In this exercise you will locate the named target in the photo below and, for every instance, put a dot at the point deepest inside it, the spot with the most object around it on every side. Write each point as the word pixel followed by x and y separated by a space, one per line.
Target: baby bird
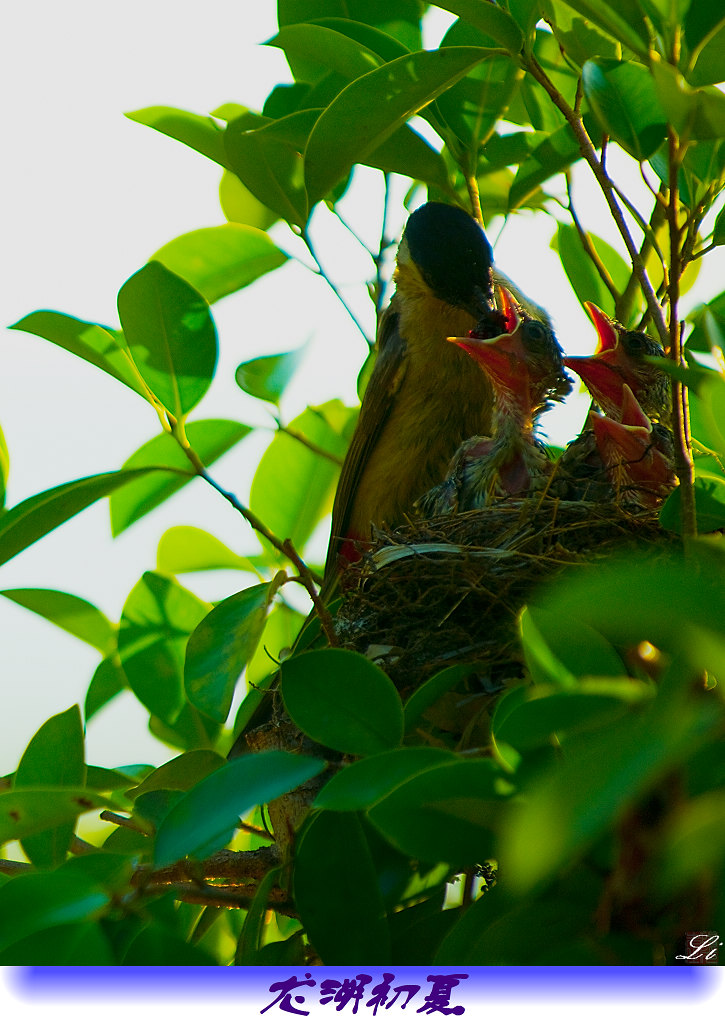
pixel 524 365
pixel 637 455
pixel 619 360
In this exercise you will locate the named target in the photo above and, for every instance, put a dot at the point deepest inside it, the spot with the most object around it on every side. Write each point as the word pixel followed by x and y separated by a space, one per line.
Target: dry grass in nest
pixel 445 591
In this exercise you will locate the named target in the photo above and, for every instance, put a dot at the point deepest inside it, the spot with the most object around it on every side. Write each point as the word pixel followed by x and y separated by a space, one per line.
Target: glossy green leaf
pixel 107 780
pixel 583 277
pixel 169 328
pixel 267 376
pixel 427 694
pixel 101 346
pixel 239 205
pixel 220 647
pixel 157 619
pixel 384 44
pixel 318 860
pixel 281 629
pixel 54 757
pixel 323 49
pixel 443 814
pixel 712 395
pixel 709 325
pixel 580 38
pixel 576 646
pixel 158 946
pixel 596 704
pixel 4 467
pixel 474 104
pixel 699 113
pixel 580 797
pixel 206 817
pixel 79 943
pixel 371 108
pixel 190 549
pixel 250 937
pixel 33 518
pixel 221 260
pixel 29 903
pixel 108 681
pixel 363 783
pixel 210 439
pixel 24 812
pixel 493 21
pixel 625 100
pixel 194 130
pixel 293 486
pixel 709 66
pixel 621 19
pixel 268 161
pixel 709 505
pixel 180 772
pixel 343 701
pixel 73 614
pixel 399 18
pixel 558 152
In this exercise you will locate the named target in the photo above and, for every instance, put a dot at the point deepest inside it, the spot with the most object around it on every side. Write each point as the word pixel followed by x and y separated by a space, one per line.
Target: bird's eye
pixel 535 332
pixel 636 342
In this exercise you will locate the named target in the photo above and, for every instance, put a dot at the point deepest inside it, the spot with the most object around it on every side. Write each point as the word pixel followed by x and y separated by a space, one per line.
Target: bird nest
pixel 447 591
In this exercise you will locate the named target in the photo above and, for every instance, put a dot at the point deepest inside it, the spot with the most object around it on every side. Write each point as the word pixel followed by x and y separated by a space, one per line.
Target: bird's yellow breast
pixel 443 399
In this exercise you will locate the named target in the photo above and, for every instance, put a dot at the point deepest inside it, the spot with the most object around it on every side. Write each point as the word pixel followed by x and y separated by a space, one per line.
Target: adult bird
pixel 424 396
pixel 619 359
pixel 638 456
pixel 524 364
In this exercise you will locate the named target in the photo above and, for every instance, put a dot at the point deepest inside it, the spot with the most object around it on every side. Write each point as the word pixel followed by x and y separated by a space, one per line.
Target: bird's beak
pixel 503 358
pixel 632 436
pixel 607 337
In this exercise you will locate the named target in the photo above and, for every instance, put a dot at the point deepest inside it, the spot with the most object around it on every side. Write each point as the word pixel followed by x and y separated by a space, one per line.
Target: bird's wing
pixel 385 381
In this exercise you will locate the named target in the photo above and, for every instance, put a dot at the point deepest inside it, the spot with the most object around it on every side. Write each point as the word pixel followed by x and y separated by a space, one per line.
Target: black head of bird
pixel 524 365
pixel 638 455
pixel 619 359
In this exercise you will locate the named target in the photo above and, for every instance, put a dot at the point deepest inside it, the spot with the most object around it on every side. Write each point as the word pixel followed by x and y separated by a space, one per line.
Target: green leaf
pixel 205 819
pixel 371 108
pixel 100 346
pixel 363 783
pixel 581 650
pixel 399 18
pixel 578 267
pixel 30 903
pixel 250 937
pixel 55 757
pixel 79 943
pixel 624 98
pixel 579 38
pixel 208 438
pixel 267 376
pixel 621 19
pixel 33 518
pixel 699 113
pixel 431 690
pixel 709 67
pixel 220 647
pixel 322 49
pixel 108 681
pixel 159 946
pixel 579 798
pixel 443 814
pixel 107 780
pixel 239 205
pixel 181 772
pixel 318 859
pixel 4 467
pixel 169 328
pixel 709 505
pixel 343 701
pixel 73 614
pixel 268 161
pixel 474 104
pixel 157 619
pixel 194 130
pixel 281 630
pixel 221 260
pixel 558 152
pixel 293 486
pixel 493 21
pixel 24 812
pixel 190 549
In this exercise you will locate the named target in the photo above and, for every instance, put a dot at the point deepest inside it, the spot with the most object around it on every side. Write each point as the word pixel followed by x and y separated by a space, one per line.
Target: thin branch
pixel 474 198
pixel 338 294
pixel 308 444
pixel 588 246
pixel 15 867
pixel 308 578
pixel 118 819
pixel 657 218
pixel 683 450
pixel 587 150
